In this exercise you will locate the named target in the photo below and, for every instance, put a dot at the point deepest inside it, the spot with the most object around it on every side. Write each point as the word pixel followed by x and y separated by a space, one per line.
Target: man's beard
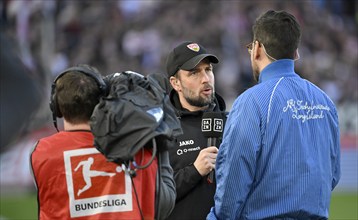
pixel 197 101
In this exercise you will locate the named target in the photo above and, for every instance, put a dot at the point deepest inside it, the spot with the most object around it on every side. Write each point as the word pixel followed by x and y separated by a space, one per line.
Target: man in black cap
pixel 191 76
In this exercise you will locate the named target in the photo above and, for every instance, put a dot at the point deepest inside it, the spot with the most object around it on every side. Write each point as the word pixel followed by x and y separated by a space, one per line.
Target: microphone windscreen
pixel 212 124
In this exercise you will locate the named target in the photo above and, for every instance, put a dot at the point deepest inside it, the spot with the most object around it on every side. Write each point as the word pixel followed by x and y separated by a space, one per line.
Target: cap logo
pixel 194 47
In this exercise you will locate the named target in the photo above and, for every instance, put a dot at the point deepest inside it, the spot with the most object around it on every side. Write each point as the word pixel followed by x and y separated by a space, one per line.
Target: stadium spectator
pixel 137 34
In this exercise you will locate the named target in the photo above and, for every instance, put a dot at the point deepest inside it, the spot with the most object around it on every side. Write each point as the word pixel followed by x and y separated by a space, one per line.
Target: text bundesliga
pixel 99 204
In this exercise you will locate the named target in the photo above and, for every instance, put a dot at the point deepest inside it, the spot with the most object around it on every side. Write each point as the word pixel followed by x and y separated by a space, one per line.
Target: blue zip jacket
pixel 280 155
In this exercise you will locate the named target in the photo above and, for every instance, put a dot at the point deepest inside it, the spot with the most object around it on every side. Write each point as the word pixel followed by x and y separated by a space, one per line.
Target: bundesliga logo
pixel 87 175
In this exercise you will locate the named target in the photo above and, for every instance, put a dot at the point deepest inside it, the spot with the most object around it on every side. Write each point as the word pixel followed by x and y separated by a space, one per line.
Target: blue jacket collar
pixel 278 69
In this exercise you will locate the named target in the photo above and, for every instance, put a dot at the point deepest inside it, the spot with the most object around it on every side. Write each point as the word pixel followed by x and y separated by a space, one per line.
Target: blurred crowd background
pixel 118 35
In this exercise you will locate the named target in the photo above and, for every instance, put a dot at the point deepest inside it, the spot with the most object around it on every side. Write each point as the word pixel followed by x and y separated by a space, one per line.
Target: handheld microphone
pixel 212 125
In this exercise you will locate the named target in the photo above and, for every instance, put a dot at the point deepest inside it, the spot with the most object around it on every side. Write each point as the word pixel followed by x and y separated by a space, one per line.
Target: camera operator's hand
pixel 205 162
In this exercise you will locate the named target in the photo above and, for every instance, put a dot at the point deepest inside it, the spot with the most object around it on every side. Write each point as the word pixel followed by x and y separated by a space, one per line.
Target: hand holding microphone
pixel 205 162
pixel 212 125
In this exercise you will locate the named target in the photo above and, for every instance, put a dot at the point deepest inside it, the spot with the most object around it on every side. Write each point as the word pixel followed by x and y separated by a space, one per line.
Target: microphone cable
pixel 136 196
pixel 151 159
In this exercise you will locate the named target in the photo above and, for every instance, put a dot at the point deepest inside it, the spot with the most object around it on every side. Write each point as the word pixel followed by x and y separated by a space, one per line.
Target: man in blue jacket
pixel 280 155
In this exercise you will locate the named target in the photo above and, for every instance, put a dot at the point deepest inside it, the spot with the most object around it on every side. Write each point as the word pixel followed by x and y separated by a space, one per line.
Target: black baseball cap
pixel 186 56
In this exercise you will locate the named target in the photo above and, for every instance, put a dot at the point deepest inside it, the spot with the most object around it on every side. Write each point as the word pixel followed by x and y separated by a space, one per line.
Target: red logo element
pixel 93 176
pixel 194 47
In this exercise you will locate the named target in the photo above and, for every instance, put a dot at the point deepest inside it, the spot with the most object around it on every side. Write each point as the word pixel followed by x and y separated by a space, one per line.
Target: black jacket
pixel 195 196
